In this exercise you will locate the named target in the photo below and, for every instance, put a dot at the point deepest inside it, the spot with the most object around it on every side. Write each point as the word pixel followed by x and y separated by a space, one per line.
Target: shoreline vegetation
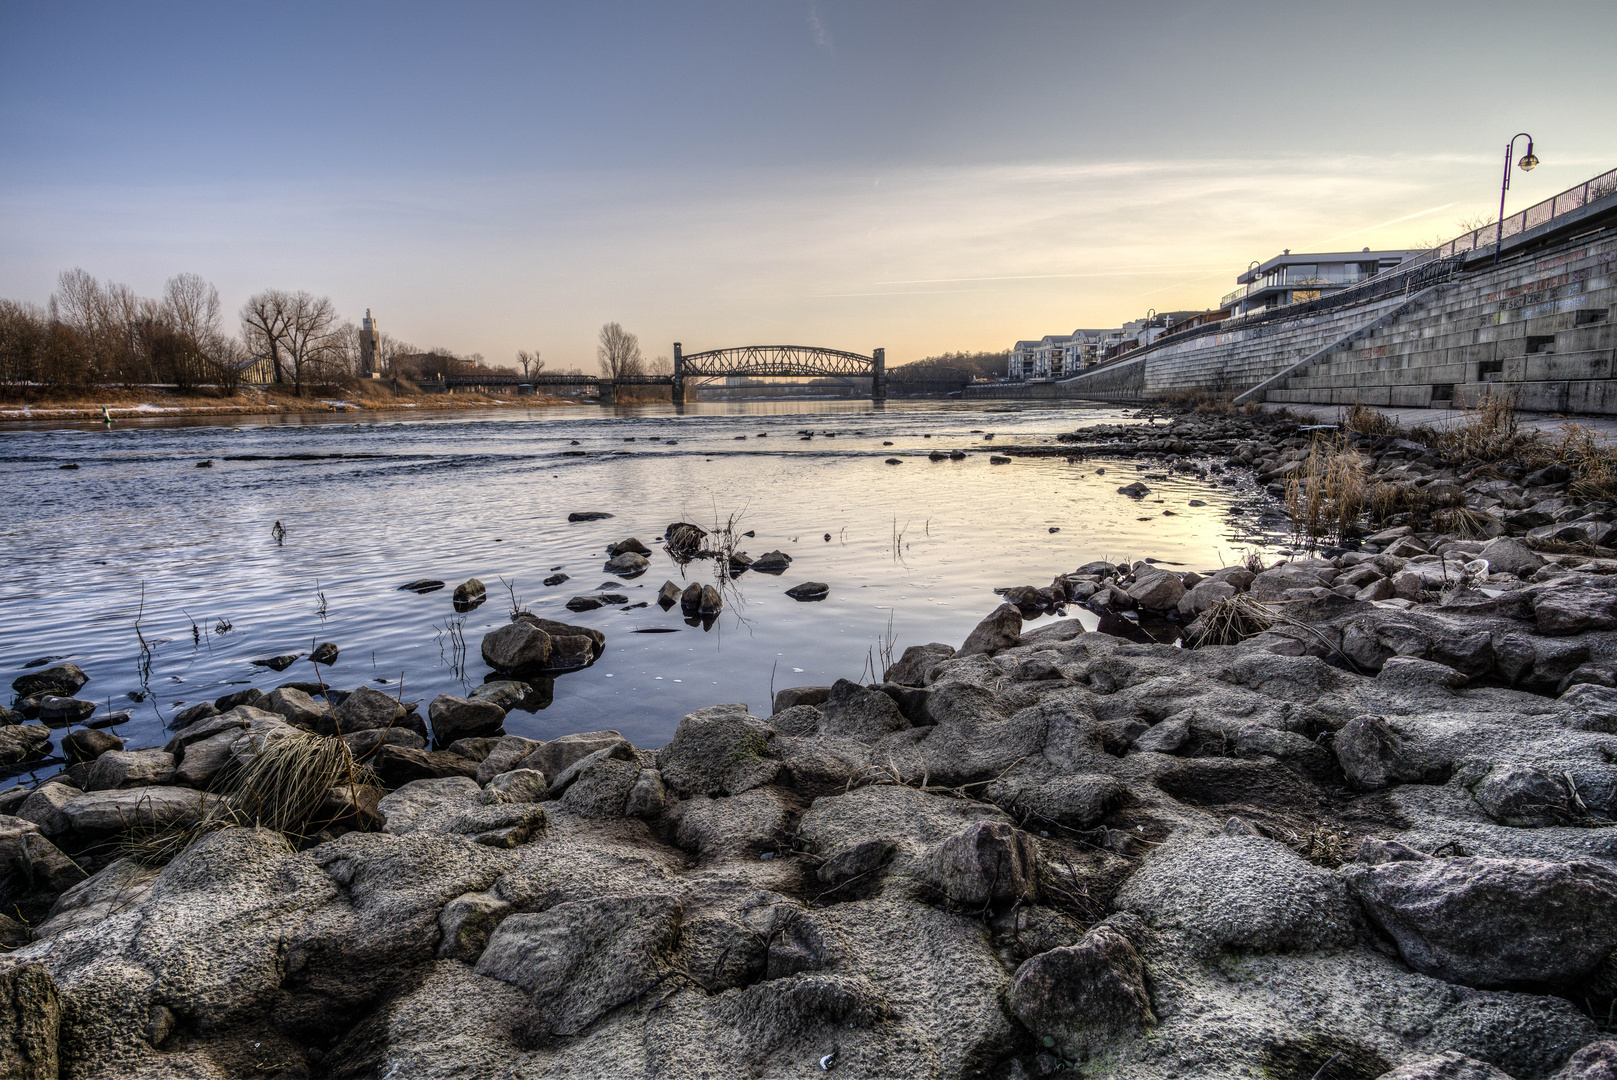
pixel 1348 813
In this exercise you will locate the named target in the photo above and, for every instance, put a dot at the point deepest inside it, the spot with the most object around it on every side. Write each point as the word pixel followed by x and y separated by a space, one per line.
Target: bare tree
pixel 264 327
pixel 660 366
pixel 308 344
pixel 619 353
pixel 107 321
pixel 525 358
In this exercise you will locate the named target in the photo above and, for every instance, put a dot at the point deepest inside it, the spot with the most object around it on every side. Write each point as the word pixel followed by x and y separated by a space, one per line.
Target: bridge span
pixel 756 361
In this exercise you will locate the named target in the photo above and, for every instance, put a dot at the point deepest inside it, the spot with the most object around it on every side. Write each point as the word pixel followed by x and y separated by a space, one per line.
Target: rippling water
pixel 139 531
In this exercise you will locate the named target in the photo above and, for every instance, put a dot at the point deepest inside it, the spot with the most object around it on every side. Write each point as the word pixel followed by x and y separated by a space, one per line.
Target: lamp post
pixel 1528 163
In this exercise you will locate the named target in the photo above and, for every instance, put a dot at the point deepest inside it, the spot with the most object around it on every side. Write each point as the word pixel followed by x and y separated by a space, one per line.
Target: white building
pixel 1057 356
pixel 1296 279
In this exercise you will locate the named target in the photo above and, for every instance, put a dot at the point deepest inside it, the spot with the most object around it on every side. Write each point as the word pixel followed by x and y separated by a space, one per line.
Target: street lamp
pixel 1528 163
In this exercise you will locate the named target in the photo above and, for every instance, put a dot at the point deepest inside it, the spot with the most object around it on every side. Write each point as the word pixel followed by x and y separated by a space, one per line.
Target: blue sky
pixel 919 176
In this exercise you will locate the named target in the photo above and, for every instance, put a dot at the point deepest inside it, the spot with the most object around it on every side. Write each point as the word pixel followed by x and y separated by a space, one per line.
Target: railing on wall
pixel 1573 198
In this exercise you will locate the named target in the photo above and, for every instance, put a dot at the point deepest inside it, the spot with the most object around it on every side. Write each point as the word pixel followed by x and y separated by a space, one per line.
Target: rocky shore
pixel 1353 817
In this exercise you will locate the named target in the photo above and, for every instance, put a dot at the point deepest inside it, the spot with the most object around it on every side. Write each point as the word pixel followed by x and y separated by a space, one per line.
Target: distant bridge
pixel 757 361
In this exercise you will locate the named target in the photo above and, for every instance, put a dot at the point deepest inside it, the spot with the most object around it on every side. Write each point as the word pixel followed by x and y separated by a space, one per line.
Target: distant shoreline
pixel 145 404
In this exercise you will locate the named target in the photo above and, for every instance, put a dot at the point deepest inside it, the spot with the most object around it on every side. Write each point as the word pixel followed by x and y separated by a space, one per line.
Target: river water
pixel 138 533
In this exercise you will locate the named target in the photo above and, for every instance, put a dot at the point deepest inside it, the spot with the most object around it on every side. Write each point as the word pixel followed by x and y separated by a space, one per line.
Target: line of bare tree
pixel 619 355
pixel 99 333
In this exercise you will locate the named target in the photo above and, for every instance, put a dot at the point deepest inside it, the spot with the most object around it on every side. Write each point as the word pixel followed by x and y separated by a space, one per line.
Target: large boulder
pixel 1507 555
pixel 458 718
pixel 87 744
pixel 298 707
pixel 1524 796
pixel 19 742
pixel 517 646
pixel 63 680
pixel 1574 609
pixel 558 755
pixel 1240 892
pixel 1001 630
pixel 130 768
pixel 720 750
pixel 1078 995
pixel 583 958
pixel 627 564
pixel 1493 922
pixel 505 755
pixel 367 708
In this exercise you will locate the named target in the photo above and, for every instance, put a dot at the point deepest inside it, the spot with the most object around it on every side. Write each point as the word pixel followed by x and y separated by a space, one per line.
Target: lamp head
pixel 1529 161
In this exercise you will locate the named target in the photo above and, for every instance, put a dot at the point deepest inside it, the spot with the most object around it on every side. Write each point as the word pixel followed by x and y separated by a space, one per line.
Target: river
pixel 138 536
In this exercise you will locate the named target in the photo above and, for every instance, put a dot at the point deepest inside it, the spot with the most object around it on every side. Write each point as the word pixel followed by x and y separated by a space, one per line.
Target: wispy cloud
pixel 822 36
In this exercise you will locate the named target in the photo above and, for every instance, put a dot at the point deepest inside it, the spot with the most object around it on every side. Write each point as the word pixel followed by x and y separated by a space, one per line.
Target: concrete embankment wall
pixel 1541 329
pixel 1540 326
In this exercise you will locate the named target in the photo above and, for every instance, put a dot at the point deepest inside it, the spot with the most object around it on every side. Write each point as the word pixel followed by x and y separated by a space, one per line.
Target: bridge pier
pixel 878 377
pixel 676 391
pixel 607 396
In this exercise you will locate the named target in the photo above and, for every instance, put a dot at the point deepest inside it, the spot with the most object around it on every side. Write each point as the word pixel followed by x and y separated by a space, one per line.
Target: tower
pixel 369 342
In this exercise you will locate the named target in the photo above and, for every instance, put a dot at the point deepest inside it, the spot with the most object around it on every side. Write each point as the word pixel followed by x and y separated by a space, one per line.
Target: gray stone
pixel 130 768
pixel 467 922
pixel 89 744
pixel 518 785
pixel 648 798
pixel 1597 1061
pixel 709 602
pixel 1524 796
pixel 987 863
pixel 506 693
pixel 1493 922
pixel 1080 996
pixel 60 712
pixel 794 696
pixel 1001 630
pixel 44 804
pixel 630 544
pixel 30 1022
pixel 63 680
pixel 1507 555
pixel 772 562
pixel 326 653
pixel 558 755
pixel 19 742
pixel 1075 800
pixel 1205 595
pixel 458 718
pixel 191 714
pixel 362 744
pixel 297 707
pixel 627 564
pixel 1372 754
pixel 1413 671
pixel 469 594
pixel 506 755
pixel 852 711
pixel 516 646
pixel 102 813
pixel 367 708
pixel 1448 1065
pixel 599 786
pixel 718 750
pixel 668 595
pixel 914 668
pixel 1156 589
pixel 581 958
pixel 1574 609
pixel 1243 892
pixel 809 590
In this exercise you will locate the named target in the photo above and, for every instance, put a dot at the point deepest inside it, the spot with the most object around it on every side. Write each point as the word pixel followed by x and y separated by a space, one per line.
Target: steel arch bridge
pixel 758 361
pixel 780 361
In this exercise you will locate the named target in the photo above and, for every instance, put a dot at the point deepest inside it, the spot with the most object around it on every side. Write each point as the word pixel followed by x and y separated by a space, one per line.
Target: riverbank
pixel 1365 826
pixel 149 402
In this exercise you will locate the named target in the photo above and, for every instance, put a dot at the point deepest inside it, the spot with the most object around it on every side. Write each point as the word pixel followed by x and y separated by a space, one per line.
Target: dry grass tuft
pixel 1327 496
pixel 1361 419
pixel 283 787
pixel 1232 620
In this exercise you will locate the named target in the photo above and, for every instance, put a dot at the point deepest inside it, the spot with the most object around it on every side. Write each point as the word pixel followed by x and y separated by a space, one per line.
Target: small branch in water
pixel 278 533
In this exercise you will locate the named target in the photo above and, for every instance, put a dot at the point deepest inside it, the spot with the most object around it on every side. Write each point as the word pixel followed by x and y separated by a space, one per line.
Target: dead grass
pixel 1232 620
pixel 282 787
pixel 1361 419
pixel 1327 496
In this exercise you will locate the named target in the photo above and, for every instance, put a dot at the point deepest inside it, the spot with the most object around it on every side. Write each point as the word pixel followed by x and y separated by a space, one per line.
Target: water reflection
pixel 137 532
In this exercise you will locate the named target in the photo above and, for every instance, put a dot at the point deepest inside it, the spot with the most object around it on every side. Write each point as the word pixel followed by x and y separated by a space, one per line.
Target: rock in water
pixel 627 564
pixel 469 594
pixel 515 647
pixel 89 744
pixel 1135 490
pixel 588 515
pixel 422 586
pixel 278 663
pixel 914 667
pixel 325 654
pixel 1083 994
pixel 809 590
pixel 772 562
pixel 710 602
pixel 1494 922
pixel 1155 589
pixel 630 545
pixel 1001 630
pixel 668 595
pixel 63 680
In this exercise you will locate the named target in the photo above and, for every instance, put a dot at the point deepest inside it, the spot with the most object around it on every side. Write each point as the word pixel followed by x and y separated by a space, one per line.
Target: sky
pixel 918 176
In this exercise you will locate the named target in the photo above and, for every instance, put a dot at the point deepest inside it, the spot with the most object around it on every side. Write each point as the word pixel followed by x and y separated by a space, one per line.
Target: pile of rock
pixel 1044 851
